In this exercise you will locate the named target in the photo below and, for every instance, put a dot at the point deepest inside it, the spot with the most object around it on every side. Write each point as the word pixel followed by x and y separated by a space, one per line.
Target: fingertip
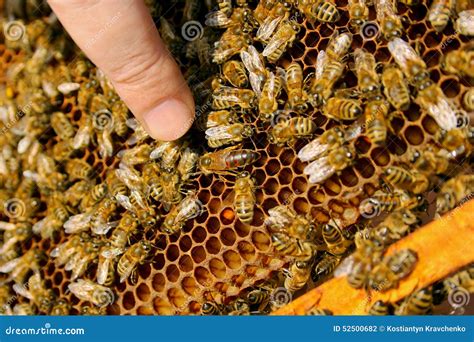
pixel 169 120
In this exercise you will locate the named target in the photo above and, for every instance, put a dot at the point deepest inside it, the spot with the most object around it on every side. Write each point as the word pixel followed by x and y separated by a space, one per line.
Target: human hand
pixel 120 37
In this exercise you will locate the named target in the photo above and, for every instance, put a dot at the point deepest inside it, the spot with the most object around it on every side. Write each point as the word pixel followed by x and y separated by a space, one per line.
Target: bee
pixel 211 309
pixel 227 159
pixel 418 303
pixel 260 297
pixel 89 291
pixel 238 307
pixel 127 227
pixel 140 207
pixel 93 311
pixel 115 185
pixel 322 10
pixel 36 292
pixel 106 270
pixel 468 100
pixel 464 24
pixel 367 77
pixel 255 66
pixel 281 40
pixel 428 160
pixel 234 73
pixel 390 23
pixel 294 83
pixel 440 13
pixel 343 109
pixel 119 112
pixel 168 152
pixel 376 121
pixel 244 200
pixel 395 226
pixel 334 238
pixel 136 254
pixel 134 156
pixel 454 142
pixel 171 189
pixel 151 178
pixel 96 194
pixel 24 309
pixel 57 214
pixel 328 72
pixel 289 130
pixel 187 209
pixel 62 126
pixel 20 267
pixel 226 97
pixel 319 312
pixel 392 269
pixel 14 234
pixel 139 133
pixel 379 308
pixel 229 45
pixel 339 45
pixel 395 88
pixel 221 117
pixel 334 161
pixel 101 215
pixel 62 150
pixel 325 266
pixel 399 176
pixel 227 134
pixel 388 202
pixel 297 275
pixel 464 279
pixel 66 250
pixel 358 12
pixel 60 308
pixel 78 169
pixel 453 192
pixel 87 253
pixel 459 62
pixel 268 103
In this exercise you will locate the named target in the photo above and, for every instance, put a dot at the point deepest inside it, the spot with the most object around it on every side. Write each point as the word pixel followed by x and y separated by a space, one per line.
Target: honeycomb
pixel 216 256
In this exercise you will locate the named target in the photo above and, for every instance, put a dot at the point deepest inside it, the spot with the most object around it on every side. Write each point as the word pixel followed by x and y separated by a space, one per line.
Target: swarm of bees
pixel 105 224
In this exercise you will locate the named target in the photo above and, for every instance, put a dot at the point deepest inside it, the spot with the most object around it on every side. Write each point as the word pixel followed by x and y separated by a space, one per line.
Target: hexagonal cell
pixel 203 276
pixel 128 300
pixel 143 292
pixel 380 156
pixel 213 225
pixel 185 263
pixel 199 234
pixel 185 243
pixel 217 268
pixel 232 259
pixel 189 286
pixel 261 241
pixel 176 297
pixel 414 135
pixel 172 273
pixel 163 307
pixel 227 215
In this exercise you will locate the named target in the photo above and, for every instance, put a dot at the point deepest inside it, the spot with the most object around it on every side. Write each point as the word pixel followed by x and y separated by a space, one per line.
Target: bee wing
pixel 402 52
pixel 278 218
pixel 219 132
pixel 465 22
pixel 341 43
pixel 77 223
pixel 226 94
pixel 124 201
pixel 103 229
pixel 312 150
pixel 321 61
pixel 22 291
pixel 269 26
pixel 319 170
pixel 10 265
pixel 444 113
pixel 24 143
pixel 384 8
pixel 38 226
pixel 103 269
pixel 274 43
pixel 217 19
pixel 353 131
pixel 106 146
pixel 111 252
pixel 128 176
pixel 7 225
pixel 127 271
pixel 82 137
pixel 68 87
pixel 271 84
pixel 159 150
pixel 344 267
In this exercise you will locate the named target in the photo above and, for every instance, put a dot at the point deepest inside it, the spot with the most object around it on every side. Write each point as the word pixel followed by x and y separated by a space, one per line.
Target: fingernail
pixel 170 120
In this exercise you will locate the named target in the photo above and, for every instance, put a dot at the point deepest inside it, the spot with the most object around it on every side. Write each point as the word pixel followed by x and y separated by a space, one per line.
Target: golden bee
pixel 468 100
pixel 336 243
pixel 392 269
pixel 221 117
pixel 170 189
pixel 291 129
pixel 319 312
pixel 465 22
pixel 395 226
pixel 86 290
pixel 78 169
pixel 227 97
pixel 388 202
pixel 440 13
pixel 227 134
pixel 268 104
pixel 453 192
pixel 126 228
pixel 62 126
pixel 20 267
pixel 379 308
pixel 367 77
pixel 212 309
pixel 395 88
pixel 223 161
pixel 376 121
pixel 37 292
pixel 405 179
pixel 282 39
pixel 320 10
pixel 390 23
pixel 244 200
pixel 255 65
pixel 418 303
pixel 229 45
pixel 96 194
pixel 234 72
pixel 358 12
pixel 343 109
pixel 325 267
pixel 188 208
pixel 297 275
pixel 238 307
pixel 428 160
pixel 135 254
pixel 297 97
pixel 459 62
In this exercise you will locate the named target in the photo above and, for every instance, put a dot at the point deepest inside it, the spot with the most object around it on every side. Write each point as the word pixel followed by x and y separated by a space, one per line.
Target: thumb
pixel 120 37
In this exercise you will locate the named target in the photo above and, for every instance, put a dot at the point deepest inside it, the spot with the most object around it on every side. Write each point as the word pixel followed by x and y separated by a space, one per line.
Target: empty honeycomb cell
pixel 396 145
pixel 162 307
pixel 228 237
pixel 301 205
pixel 214 205
pixel 143 292
pixel 217 268
pixel 269 203
pixel 159 261
pixel 298 50
pixel 414 135
pixel 202 217
pixel 431 39
pixel 232 259
pixel 260 176
pixel 217 188
pixel 186 263
pixel 450 43
pixel 311 39
pixel 362 144
pixel 227 216
pixel 299 185
pixel 285 196
pixel 213 226
pixel 298 166
pixel 413 113
pixel 382 54
pixel 185 243
pixel 429 125
pixel 380 156
pixel 316 195
pixel 76 116
pixel 189 285
pixel 172 252
pixel 177 297
pixel 273 167
pixel 271 186
pixel 246 251
pixel 144 271
pixel 213 245
pixel 199 234
pixel 364 167
pixel 261 241
pixel 348 177
pixel 172 273
pixel 128 300
pixel 285 176
pixel 332 186
pixel 451 87
pixel 205 181
pixel 370 46
pixel 58 278
pixel 203 276
pixel 145 310
pixel 243 229
pixel 198 254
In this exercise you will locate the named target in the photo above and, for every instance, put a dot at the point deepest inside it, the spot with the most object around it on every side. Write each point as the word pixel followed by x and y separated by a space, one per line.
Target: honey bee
pixel 379 308
pixel 139 133
pixel 335 241
pixel 428 160
pixel 453 192
pixel 171 189
pixel 89 291
pixel 390 23
pixel 115 185
pixel 399 176
pixel 136 254
pixel 376 121
pixel 238 307
pixel 244 200
pixel 459 62
pixel 468 100
pixel 464 24
pixel 234 73
pixel 395 88
pixel 57 214
pixel 229 45
pixel 395 226
pixel 281 40
pixel 66 250
pixel 144 212
pixel 93 311
pixel 440 13
pixel 358 12
pixel 392 269
pixel 388 202
pixel 319 312
pixel 227 134
pixel 223 161
pixel 255 66
pixel 343 109
pixel 297 275
pixel 325 266
pixel 226 97
pixel 127 227
pixel 106 270
pixel 134 156
pixel 36 292
pixel 169 153
pixel 62 150
pixel 119 111
pixel 212 309
pixel 78 169
pixel 14 233
pixel 321 10
pixel 368 79
pixel 24 309
pixel 96 194
pixel 62 126
pixel 101 215
pixel 339 45
pixel 294 83
pixel 221 117
pixel 260 297
pixel 328 72
pixel 268 103
pixel 60 308
pixel 20 267
pixel 418 303
pixel 85 255
pixel 187 209
pixel 288 131
pixel 464 279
